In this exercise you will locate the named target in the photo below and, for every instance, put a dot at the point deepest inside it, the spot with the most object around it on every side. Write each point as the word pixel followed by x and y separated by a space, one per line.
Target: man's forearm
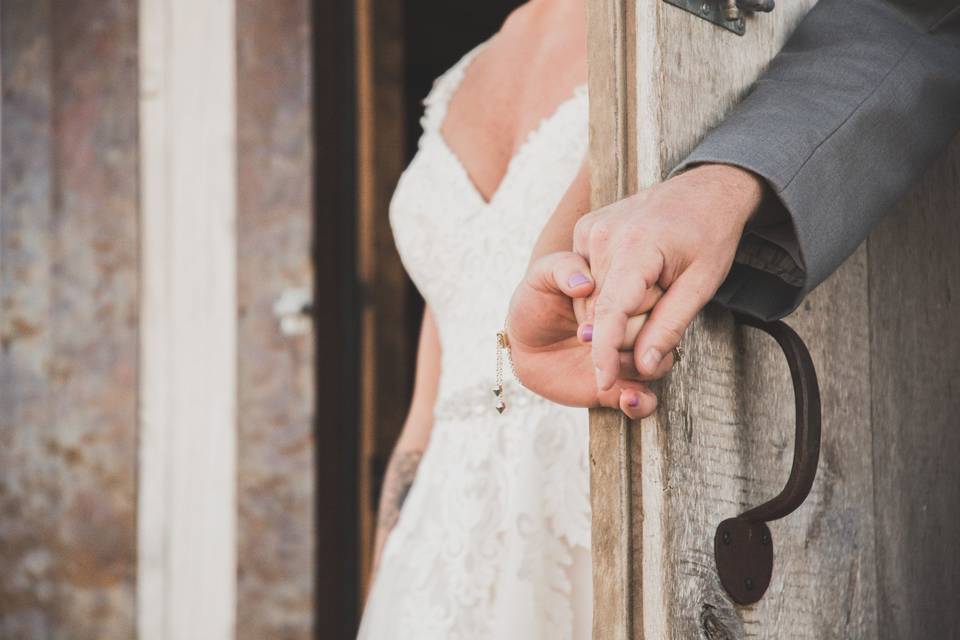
pixel 864 96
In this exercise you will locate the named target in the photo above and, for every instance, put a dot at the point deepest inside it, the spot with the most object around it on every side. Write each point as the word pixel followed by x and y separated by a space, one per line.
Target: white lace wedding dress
pixel 494 538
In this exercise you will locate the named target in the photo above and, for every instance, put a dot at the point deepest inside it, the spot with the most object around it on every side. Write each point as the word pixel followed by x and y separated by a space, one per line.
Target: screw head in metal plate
pixel 744 560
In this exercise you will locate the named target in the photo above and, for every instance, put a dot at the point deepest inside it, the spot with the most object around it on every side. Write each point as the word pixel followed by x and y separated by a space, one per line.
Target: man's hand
pixel 680 237
pixel 551 357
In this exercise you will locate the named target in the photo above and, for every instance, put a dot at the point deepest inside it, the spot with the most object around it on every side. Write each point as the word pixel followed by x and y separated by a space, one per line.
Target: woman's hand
pixel 552 358
pixel 678 237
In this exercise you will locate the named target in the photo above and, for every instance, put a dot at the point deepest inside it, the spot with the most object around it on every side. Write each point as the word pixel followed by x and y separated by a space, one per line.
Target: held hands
pixel 641 269
pixel 551 356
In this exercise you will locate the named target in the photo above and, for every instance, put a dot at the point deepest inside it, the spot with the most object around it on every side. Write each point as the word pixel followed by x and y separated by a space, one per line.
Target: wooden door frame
pixel 611 71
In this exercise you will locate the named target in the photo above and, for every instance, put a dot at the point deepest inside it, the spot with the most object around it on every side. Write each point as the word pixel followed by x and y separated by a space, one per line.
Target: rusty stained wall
pixel 68 319
pixel 276 383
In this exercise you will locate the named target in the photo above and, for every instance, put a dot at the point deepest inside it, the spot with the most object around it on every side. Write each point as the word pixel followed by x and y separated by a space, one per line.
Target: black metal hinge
pixel 729 14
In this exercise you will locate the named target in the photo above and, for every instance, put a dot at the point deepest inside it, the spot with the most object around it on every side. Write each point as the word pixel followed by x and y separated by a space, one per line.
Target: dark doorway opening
pixel 436 34
pixel 335 318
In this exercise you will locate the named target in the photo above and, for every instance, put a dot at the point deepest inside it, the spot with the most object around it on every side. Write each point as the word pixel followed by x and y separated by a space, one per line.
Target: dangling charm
pixel 498 390
pixel 503 344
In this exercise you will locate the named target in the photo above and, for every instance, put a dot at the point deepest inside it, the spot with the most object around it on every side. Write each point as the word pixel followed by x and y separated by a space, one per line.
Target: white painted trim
pixel 186 578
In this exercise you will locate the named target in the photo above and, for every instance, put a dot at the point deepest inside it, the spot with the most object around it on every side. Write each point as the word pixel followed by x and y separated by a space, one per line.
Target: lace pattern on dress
pixel 494 537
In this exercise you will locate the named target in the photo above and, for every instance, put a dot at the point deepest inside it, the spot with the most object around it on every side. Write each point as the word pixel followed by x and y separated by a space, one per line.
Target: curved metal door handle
pixel 743 547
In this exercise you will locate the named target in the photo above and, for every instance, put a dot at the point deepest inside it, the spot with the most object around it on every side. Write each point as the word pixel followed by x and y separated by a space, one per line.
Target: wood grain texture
pixel 611 72
pixel 68 319
pixel 727 445
pixel 725 425
pixel 915 378
pixel 275 359
pixel 721 441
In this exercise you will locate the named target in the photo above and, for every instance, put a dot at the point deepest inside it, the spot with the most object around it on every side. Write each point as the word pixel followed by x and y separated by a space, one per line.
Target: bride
pixel 484 525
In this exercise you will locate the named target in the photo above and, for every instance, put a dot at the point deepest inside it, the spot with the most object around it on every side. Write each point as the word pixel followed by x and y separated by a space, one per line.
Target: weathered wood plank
pixel 275 474
pixel 611 72
pixel 728 446
pixel 721 441
pixel 68 309
pixel 915 347
pixel 725 426
pixel 187 562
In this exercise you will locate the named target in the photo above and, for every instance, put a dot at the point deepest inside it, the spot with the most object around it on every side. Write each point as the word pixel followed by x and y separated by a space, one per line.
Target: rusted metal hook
pixel 743 546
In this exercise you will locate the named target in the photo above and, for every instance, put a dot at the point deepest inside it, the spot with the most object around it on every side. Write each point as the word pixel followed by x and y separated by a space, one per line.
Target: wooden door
pixel 722 439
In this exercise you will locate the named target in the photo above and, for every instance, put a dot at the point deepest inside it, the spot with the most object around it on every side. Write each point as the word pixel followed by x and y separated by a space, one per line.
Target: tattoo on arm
pixel 396 485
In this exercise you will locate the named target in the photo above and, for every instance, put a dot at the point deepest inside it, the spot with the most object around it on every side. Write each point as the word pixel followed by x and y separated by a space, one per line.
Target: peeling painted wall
pixel 68 320
pixel 276 383
pixel 68 323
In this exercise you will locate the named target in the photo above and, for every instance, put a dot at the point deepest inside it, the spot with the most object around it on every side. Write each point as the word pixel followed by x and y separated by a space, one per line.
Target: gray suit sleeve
pixel 863 97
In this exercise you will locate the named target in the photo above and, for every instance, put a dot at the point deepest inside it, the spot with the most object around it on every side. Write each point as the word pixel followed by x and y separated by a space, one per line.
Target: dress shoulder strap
pixel 435 104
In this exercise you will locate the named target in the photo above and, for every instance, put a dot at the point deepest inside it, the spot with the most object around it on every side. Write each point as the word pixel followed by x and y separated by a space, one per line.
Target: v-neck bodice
pixel 494 537
pixel 467 254
pixel 439 106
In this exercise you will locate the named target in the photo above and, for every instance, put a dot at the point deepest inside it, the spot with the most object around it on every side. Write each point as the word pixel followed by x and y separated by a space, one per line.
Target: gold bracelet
pixel 503 344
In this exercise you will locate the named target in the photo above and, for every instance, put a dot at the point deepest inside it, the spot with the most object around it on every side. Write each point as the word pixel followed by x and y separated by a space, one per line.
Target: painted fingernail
pixel 578 279
pixel 651 359
pixel 634 401
pixel 586 332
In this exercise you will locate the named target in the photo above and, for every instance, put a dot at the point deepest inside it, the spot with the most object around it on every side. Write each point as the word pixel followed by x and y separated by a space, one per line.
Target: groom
pixel 864 96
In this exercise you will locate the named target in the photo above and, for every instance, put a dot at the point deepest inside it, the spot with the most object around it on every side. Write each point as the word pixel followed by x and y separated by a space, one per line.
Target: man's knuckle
pixel 600 233
pixel 607 304
pixel 603 306
pixel 673 334
pixel 581 231
pixel 636 234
